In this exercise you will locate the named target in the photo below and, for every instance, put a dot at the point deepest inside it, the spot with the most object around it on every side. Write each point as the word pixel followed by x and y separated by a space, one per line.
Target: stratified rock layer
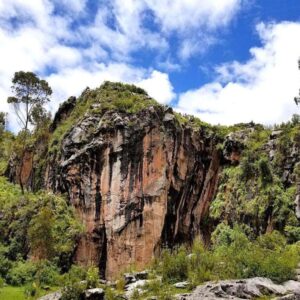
pixel 137 181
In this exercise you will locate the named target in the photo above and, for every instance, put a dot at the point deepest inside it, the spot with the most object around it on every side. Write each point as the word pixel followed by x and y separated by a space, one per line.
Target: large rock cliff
pixel 139 181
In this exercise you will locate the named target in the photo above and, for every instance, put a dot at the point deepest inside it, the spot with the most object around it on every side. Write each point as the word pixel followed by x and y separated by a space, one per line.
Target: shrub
pixel 174 266
pixel 265 171
pixel 92 277
pixel 5 263
pixel 31 290
pixel 40 234
pixel 47 274
pixel 21 273
pixel 75 274
pixel 73 291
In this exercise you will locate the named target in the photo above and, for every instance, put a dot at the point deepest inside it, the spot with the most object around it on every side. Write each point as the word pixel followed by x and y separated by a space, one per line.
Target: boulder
pixel 137 285
pixel 94 294
pixel 52 296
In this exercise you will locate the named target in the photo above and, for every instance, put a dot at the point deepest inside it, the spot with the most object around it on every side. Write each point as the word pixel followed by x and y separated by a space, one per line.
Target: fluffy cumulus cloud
pixel 261 89
pixel 74 46
pixel 159 87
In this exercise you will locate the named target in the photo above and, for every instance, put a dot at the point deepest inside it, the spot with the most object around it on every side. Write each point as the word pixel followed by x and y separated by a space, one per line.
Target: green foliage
pixel 201 264
pixel 292 233
pixel 30 94
pixel 76 273
pixel 156 288
pixel 73 291
pixel 174 265
pixel 5 263
pixel 21 273
pixel 2 121
pixel 31 290
pixel 265 171
pixel 253 193
pixel 41 225
pixel 40 234
pixel 47 274
pixel 92 277
pixel 77 280
pixel 234 254
pixel 6 146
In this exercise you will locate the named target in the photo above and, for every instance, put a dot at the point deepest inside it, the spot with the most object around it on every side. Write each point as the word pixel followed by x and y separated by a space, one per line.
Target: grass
pixel 18 293
pixel 12 293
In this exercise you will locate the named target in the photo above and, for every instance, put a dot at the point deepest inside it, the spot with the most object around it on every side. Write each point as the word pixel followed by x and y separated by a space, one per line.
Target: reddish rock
pixel 137 182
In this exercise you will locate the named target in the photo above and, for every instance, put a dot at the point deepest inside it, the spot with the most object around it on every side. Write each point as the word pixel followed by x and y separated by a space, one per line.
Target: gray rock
pixel 244 289
pixel 181 285
pixel 141 275
pixel 129 278
pixel 275 134
pixel 52 296
pixel 168 117
pixel 137 285
pixel 289 297
pixel 94 294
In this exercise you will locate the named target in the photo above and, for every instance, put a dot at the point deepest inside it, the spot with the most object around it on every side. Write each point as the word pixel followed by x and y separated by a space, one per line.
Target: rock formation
pixel 252 288
pixel 137 181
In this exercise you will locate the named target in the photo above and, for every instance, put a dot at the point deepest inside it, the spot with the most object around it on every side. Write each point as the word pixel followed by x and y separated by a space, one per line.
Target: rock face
pixel 137 181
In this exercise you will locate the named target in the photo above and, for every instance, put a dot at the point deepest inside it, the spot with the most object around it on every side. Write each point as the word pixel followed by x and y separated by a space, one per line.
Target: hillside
pixel 122 178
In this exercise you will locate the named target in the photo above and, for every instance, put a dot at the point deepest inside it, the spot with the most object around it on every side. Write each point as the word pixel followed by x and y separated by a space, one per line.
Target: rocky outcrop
pixel 252 288
pixel 63 112
pixel 137 181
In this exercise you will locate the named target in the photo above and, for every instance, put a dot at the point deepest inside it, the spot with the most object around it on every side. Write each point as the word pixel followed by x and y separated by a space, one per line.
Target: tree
pixel 31 93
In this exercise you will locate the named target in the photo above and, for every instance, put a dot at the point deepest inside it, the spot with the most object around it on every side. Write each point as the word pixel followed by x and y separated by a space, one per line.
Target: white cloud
pixel 72 81
pixel 159 87
pixel 262 89
pixel 33 37
pixel 183 15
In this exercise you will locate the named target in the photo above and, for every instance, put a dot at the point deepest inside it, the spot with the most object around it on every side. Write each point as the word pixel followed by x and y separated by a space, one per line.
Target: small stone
pixel 141 275
pixel 181 285
pixel 129 278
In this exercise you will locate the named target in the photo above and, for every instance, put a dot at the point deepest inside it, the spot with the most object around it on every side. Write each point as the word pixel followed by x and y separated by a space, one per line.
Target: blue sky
pixel 226 61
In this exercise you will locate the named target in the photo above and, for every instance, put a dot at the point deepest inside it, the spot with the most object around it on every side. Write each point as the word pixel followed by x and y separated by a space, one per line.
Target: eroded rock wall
pixel 137 181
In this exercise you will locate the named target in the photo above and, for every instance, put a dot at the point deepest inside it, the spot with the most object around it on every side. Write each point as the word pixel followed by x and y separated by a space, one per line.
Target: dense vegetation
pixel 260 192
pixel 38 234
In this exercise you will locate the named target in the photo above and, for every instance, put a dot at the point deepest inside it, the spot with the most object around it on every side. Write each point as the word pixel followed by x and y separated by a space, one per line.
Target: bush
pixel 232 256
pixel 73 291
pixel 47 274
pixel 21 273
pixel 201 264
pixel 268 256
pixel 92 277
pixel 174 266
pixel 5 263
pixel 31 290
pixel 265 171
pixel 75 274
